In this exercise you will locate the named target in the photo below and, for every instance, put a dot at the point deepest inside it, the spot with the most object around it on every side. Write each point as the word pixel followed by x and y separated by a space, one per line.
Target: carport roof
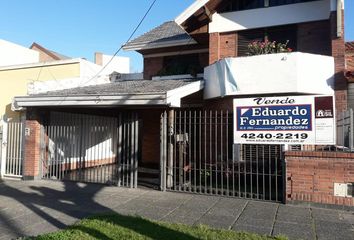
pixel 128 92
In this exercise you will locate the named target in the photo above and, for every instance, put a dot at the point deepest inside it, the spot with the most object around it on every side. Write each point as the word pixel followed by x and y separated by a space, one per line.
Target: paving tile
pixel 189 220
pixel 246 220
pixel 347 217
pixel 228 207
pixel 252 229
pixel 260 210
pixel 294 231
pixel 291 214
pixel 153 213
pixel 45 206
pixel 334 230
pixel 222 222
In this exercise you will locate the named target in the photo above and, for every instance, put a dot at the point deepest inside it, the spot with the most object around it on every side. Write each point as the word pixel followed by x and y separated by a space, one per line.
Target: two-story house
pixel 178 123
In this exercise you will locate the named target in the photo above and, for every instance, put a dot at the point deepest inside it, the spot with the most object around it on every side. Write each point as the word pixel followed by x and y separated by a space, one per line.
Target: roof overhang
pixel 154 45
pixel 171 98
pixel 190 11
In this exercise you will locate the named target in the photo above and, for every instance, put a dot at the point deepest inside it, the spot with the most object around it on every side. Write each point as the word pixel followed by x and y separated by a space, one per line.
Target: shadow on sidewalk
pixel 75 200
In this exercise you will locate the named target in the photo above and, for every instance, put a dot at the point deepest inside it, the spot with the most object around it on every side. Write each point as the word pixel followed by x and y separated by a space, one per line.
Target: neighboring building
pixel 349 63
pixel 349 57
pixel 179 129
pixel 41 77
pixel 46 55
pixel 36 70
pixel 13 54
pixel 116 64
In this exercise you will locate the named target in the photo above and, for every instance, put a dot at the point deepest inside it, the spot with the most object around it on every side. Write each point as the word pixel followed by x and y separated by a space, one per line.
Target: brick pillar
pixel 338 53
pixel 214 47
pixel 32 146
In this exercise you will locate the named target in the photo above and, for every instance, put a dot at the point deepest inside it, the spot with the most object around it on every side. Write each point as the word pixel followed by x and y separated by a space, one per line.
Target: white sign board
pixel 284 120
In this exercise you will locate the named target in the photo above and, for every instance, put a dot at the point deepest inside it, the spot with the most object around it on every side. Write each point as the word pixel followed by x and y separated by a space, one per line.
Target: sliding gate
pixel 198 156
pixel 89 148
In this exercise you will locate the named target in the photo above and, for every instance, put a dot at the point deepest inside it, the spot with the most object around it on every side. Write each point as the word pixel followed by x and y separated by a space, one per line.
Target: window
pixel 181 64
pixel 280 34
pixel 274 3
pixel 239 5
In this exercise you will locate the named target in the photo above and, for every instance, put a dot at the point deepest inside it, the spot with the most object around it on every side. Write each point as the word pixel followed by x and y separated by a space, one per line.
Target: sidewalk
pixel 35 207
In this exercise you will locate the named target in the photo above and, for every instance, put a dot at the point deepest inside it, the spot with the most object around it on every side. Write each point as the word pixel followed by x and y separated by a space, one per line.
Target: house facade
pixel 212 30
pixel 176 125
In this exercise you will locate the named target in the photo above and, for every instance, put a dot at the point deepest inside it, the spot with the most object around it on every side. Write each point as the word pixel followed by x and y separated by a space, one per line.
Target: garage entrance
pixel 90 148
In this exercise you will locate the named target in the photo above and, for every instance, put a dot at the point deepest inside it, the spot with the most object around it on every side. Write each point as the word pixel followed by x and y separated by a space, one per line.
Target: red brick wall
pixel 228 45
pixel 338 52
pixel 214 47
pixel 32 147
pixel 311 176
pixel 150 138
pixel 222 45
pixel 314 37
pixel 152 66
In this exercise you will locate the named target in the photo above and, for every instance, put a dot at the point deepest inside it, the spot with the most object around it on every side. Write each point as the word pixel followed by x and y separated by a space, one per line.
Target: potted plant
pixel 267 47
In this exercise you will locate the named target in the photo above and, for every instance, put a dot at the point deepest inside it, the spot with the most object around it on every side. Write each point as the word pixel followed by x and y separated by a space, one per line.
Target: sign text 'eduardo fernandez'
pixel 274 118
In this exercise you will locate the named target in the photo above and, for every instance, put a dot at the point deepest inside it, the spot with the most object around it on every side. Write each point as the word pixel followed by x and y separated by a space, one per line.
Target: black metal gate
pixel 89 148
pixel 198 155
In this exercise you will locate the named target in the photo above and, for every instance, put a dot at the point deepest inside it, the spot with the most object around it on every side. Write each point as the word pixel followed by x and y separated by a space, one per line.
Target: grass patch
pixel 115 226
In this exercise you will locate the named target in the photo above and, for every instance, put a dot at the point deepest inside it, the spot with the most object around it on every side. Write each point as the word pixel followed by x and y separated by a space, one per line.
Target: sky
pixel 79 28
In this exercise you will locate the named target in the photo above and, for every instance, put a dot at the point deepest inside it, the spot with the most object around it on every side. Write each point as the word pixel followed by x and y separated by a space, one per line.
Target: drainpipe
pixel 339 19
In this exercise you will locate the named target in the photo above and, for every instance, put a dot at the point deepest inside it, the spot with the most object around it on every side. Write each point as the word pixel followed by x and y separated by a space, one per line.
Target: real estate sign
pixel 284 120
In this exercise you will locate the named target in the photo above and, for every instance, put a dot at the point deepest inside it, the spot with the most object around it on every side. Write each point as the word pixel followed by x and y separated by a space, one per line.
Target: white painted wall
pixel 88 72
pixel 13 54
pixel 272 16
pixel 118 64
pixel 270 74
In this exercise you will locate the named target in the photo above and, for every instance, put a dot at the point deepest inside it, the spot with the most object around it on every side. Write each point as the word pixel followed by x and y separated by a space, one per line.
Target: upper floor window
pixel 274 3
pixel 239 5
pixel 281 34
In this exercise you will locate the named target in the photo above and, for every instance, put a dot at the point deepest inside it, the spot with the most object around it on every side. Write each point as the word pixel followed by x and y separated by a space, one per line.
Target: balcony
pixel 282 73
pixel 272 16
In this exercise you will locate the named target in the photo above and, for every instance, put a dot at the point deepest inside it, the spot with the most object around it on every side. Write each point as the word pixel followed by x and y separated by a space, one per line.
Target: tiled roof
pixel 123 87
pixel 349 46
pixel 169 33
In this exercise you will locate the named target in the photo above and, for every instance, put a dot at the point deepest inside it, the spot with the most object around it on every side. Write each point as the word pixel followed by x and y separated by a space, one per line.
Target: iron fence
pixel 345 131
pixel 200 157
pixel 14 148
